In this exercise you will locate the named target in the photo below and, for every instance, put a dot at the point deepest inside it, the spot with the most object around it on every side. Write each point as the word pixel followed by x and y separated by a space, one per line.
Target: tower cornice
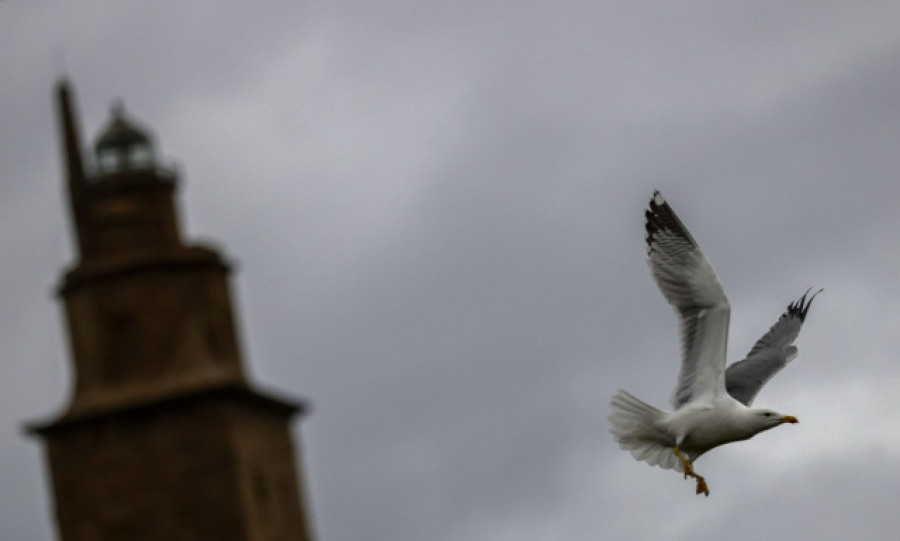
pixel 141 261
pixel 240 393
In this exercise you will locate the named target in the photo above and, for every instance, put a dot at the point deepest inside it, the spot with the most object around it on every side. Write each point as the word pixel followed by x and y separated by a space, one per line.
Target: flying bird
pixel 711 405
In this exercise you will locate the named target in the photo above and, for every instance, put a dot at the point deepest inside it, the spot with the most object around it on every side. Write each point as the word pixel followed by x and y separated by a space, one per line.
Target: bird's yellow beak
pixel 789 419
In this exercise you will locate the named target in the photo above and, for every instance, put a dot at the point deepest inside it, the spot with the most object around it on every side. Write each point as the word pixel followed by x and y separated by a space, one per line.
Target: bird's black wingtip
pixel 800 307
pixel 652 220
pixel 659 216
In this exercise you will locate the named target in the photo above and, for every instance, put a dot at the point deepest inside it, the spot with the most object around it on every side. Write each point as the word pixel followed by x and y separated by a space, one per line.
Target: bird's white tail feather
pixel 634 427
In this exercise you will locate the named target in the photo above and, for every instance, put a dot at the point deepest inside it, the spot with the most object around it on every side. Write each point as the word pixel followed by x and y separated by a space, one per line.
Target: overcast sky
pixel 436 211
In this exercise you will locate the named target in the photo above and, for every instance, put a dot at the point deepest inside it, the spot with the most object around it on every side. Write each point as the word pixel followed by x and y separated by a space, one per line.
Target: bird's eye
pixel 768 414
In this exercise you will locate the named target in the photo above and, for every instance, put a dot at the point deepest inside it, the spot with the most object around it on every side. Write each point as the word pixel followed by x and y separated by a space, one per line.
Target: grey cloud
pixel 437 217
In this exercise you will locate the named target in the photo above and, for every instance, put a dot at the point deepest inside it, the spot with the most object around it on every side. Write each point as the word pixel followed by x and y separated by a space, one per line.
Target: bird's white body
pixel 700 426
pixel 651 434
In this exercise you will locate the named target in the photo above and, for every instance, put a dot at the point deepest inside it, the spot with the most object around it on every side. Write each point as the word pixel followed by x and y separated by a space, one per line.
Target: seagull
pixel 711 405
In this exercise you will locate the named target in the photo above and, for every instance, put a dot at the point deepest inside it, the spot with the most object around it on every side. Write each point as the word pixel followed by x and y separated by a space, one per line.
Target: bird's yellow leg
pixel 688 469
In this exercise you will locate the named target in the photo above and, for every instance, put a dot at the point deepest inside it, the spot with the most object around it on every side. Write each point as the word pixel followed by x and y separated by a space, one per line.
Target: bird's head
pixel 766 419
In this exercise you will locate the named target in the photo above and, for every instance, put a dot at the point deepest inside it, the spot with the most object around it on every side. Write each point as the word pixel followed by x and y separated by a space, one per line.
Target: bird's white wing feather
pixel 769 355
pixel 689 283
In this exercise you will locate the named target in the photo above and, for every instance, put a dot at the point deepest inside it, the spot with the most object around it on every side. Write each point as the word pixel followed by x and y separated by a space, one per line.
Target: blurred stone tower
pixel 164 437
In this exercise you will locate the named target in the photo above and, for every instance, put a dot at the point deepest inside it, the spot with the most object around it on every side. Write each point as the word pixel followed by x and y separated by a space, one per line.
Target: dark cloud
pixel 436 211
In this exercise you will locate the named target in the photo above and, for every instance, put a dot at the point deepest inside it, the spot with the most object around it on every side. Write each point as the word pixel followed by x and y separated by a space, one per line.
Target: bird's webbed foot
pixel 688 470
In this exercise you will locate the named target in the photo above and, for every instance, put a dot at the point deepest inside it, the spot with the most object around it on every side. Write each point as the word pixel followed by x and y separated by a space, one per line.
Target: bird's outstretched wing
pixel 769 354
pixel 689 282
